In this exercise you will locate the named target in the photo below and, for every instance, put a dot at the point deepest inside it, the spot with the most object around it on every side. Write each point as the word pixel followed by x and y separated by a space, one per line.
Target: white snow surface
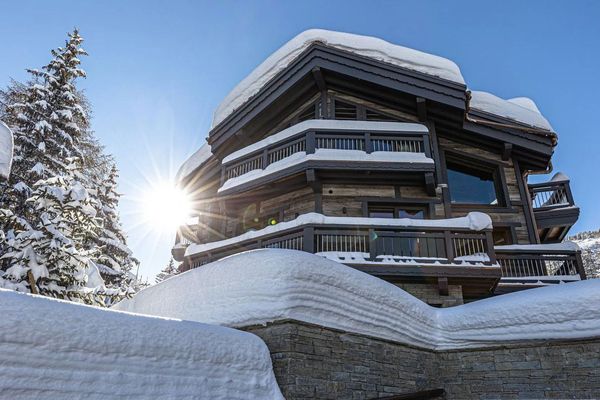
pixel 366 46
pixel 6 150
pixel 196 160
pixel 324 125
pixel 476 221
pixel 521 109
pixel 564 246
pixel 53 349
pixel 357 156
pixel 266 285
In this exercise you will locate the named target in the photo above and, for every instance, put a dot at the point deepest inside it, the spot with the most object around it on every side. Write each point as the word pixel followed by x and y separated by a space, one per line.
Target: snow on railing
pixel 543 262
pixel 310 136
pixel 461 240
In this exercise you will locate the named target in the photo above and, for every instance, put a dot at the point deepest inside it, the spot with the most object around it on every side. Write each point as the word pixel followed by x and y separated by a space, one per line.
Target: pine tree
pixel 43 228
pixel 48 252
pixel 111 254
pixel 167 272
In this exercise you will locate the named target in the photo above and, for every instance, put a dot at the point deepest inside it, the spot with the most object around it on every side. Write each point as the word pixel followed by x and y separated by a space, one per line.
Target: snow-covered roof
pixel 366 46
pixel 324 125
pixel 267 285
pixel 476 221
pixel 63 350
pixel 6 150
pixel 521 109
pixel 195 161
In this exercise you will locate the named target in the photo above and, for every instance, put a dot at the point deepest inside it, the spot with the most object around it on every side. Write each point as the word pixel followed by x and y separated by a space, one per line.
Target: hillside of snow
pixel 52 349
pixel 589 243
pixel 261 286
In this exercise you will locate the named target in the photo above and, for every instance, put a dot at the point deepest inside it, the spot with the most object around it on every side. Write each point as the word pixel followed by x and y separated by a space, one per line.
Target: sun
pixel 166 207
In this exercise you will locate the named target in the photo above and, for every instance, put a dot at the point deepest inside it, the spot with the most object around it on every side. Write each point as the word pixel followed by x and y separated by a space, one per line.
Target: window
pixel 474 184
pixel 401 211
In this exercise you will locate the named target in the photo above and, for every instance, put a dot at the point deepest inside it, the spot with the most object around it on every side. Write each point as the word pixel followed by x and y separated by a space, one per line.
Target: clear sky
pixel 158 69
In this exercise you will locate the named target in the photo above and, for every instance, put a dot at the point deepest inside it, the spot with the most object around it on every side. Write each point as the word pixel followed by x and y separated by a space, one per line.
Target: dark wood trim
pixel 526 200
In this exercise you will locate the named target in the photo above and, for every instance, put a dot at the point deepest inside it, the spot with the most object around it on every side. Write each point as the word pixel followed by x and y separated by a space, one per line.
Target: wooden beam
pixel 507 151
pixel 422 109
pixel 443 286
pixel 319 79
pixel 430 183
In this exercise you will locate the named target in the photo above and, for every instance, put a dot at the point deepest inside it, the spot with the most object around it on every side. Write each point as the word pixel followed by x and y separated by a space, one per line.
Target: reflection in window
pixel 472 186
pixel 413 212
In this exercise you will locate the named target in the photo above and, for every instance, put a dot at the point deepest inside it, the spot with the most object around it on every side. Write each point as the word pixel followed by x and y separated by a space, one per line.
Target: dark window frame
pixel 396 207
pixel 478 164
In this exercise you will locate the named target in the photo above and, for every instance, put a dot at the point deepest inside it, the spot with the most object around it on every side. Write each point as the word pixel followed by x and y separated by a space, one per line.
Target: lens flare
pixel 166 207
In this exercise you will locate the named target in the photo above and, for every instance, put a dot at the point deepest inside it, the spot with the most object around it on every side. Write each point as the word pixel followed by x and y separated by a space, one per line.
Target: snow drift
pixel 55 349
pixel 268 285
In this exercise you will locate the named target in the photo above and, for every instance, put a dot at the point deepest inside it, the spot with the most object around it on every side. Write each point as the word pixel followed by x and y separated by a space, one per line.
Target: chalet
pixel 381 158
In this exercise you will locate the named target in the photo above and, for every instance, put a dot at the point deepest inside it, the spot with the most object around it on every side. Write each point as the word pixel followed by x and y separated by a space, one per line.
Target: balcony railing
pixel 551 195
pixel 311 136
pixel 545 263
pixel 363 240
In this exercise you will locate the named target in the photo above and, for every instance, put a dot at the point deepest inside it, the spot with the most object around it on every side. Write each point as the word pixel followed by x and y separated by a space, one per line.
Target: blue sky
pixel 158 69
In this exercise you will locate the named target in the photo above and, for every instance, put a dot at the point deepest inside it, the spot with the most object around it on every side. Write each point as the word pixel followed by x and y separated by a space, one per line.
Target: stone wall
pixel 430 294
pixel 312 362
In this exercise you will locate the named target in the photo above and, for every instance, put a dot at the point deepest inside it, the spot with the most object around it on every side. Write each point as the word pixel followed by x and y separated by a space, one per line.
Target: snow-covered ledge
pixel 327 125
pixel 540 248
pixel 474 221
pixel 268 285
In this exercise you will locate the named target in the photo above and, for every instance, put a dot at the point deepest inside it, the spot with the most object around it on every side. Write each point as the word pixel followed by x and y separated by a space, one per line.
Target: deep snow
pixel 267 285
pixel 54 349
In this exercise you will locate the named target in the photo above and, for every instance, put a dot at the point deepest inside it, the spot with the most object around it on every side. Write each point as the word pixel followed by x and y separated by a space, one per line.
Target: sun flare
pixel 166 207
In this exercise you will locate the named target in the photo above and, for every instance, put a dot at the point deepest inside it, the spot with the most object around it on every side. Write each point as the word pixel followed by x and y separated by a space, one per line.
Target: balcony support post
pixel 449 246
pixel 579 262
pixel 489 244
pixel 368 143
pixel 308 239
pixel 311 142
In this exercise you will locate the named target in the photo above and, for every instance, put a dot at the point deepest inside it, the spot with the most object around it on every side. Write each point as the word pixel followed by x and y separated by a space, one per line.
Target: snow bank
pixel 54 349
pixel 195 161
pixel 521 109
pixel 325 125
pixel 366 46
pixel 268 285
pixel 6 150
pixel 474 220
pixel 355 156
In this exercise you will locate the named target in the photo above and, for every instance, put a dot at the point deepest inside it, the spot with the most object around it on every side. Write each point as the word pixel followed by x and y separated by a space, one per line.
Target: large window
pixel 474 184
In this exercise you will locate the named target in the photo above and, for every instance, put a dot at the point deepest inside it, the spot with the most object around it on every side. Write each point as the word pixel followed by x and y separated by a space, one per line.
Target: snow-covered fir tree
pixel 167 272
pixel 47 252
pixel 111 254
pixel 50 121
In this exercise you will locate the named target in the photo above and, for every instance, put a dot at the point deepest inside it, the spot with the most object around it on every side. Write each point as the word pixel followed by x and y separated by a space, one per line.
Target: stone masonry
pixel 313 362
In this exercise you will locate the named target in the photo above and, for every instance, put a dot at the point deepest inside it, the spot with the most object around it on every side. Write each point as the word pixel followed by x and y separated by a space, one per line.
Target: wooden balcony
pixel 331 145
pixel 538 265
pixel 554 209
pixel 436 249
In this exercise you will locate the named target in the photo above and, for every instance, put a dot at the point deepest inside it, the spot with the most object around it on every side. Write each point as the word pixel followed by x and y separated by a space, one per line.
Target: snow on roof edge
pixel 366 46
pixel 195 161
pixel 510 109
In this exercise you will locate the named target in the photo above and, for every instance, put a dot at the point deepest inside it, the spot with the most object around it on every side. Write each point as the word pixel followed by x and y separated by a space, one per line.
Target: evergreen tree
pixel 50 121
pixel 167 272
pixel 47 254
pixel 114 259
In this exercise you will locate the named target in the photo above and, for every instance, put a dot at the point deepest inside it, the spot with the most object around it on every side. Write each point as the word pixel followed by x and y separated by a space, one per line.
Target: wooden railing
pixel 551 195
pixel 311 140
pixel 426 245
pixel 540 264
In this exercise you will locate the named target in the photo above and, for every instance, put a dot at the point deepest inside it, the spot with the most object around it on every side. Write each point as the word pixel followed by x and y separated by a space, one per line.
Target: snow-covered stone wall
pixel 268 285
pixel 51 349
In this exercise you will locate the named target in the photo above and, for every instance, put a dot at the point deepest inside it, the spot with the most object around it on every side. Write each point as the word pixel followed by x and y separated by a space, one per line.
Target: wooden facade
pixel 324 83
